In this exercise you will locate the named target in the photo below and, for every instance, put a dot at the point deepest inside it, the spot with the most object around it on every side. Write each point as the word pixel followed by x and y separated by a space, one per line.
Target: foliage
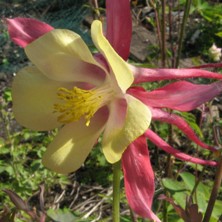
pixel 206 27
pixel 21 151
pixel 191 120
pixel 185 186
pixel 181 190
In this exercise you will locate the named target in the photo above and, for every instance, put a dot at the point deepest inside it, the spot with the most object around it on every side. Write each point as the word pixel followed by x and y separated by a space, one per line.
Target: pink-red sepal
pixel 119 26
pixel 152 75
pixel 139 178
pixel 154 138
pixel 23 31
pixel 170 118
pixel 181 95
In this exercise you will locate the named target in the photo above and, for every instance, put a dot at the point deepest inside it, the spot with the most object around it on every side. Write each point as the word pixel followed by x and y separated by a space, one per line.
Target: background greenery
pixel 86 194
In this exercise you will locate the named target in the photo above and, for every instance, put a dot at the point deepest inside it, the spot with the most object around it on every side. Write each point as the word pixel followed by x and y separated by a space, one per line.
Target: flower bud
pixel 215 53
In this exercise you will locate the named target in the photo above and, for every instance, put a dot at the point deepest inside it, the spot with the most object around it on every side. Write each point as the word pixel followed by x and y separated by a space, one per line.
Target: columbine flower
pixel 68 88
pixel 46 96
pixel 215 53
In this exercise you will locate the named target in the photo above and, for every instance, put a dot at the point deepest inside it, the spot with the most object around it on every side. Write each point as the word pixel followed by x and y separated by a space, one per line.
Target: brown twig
pixel 157 23
pixel 163 33
pixel 214 192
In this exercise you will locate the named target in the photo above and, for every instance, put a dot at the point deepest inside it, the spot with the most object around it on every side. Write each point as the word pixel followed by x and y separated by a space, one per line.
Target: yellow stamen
pixel 79 102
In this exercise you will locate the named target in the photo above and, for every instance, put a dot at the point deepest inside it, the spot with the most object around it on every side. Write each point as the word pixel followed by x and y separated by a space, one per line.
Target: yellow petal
pixel 73 143
pixel 33 98
pixel 118 66
pixel 135 123
pixel 62 55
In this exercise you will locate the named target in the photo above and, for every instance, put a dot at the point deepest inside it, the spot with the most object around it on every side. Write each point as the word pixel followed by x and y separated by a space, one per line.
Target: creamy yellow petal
pixel 62 55
pixel 118 66
pixel 117 117
pixel 136 122
pixel 73 143
pixel 33 97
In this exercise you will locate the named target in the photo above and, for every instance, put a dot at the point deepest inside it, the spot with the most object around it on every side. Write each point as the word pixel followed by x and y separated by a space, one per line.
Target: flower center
pixel 77 103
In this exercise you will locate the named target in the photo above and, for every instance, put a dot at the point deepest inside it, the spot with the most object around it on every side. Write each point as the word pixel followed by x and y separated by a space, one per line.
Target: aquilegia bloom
pixel 68 88
pixel 86 95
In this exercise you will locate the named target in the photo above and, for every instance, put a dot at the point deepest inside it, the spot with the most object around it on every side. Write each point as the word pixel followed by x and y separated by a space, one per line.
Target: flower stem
pixel 116 191
pixel 214 192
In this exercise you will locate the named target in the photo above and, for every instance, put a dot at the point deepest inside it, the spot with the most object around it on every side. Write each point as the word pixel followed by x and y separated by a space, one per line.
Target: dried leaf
pixel 192 211
pixel 179 210
pixel 17 200
pixel 7 216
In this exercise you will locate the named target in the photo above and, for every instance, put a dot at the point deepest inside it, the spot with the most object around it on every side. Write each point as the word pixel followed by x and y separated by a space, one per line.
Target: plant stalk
pixel 158 25
pixel 182 29
pixel 163 34
pixel 214 192
pixel 116 191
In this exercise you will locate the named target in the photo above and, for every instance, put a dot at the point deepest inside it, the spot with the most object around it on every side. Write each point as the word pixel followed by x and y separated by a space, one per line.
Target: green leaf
pixel 6 168
pixel 191 120
pixel 190 180
pixel 202 201
pixel 202 191
pixel 217 209
pixel 212 219
pixel 195 166
pixel 172 216
pixel 61 215
pixel 173 184
pixel 180 198
pixel 3 149
pixel 7 95
pixel 219 34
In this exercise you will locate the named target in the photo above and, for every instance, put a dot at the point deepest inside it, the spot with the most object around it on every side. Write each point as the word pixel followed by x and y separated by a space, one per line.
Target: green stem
pixel 158 25
pixel 116 191
pixel 214 192
pixel 199 179
pixel 182 29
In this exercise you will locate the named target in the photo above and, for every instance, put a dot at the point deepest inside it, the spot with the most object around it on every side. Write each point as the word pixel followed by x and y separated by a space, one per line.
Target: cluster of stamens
pixel 77 103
